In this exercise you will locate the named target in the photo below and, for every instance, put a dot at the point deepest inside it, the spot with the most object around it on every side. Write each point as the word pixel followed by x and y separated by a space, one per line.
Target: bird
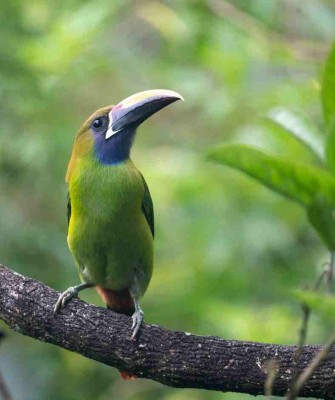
pixel 110 210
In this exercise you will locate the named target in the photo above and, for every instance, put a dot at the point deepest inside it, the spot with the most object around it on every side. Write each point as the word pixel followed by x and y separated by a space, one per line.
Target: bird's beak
pixel 137 108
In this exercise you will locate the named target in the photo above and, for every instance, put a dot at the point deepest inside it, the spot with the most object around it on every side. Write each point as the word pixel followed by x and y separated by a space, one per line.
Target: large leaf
pixel 299 182
pixel 311 187
pixel 321 214
pixel 299 126
pixel 328 104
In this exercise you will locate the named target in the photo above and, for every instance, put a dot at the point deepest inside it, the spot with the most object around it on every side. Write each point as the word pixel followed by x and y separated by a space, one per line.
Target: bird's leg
pixel 69 294
pixel 137 318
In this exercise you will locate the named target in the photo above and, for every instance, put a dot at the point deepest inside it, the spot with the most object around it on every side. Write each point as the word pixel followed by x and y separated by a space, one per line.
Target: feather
pixel 84 140
pixel 68 209
pixel 148 207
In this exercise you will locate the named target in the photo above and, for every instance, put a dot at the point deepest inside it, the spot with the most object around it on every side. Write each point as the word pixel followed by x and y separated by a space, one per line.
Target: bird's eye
pixel 98 123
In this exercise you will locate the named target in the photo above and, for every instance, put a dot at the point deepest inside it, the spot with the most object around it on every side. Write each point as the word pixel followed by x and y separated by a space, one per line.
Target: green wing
pixel 148 207
pixel 68 208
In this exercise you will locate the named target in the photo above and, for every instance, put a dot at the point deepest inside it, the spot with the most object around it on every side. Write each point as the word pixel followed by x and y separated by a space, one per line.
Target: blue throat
pixel 115 149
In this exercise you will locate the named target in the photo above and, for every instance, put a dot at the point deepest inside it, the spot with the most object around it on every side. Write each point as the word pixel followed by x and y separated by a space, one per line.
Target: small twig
pixel 307 373
pixel 306 310
pixel 297 356
pixel 304 326
pixel 273 369
pixel 330 272
pixel 321 277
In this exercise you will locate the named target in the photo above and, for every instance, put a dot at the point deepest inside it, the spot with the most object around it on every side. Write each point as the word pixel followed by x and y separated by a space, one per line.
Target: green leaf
pixel 330 148
pixel 312 187
pixel 328 89
pixel 321 214
pixel 298 182
pixel 328 104
pixel 321 303
pixel 301 128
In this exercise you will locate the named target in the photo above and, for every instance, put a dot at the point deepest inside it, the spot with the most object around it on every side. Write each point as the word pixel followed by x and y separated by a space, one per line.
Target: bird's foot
pixel 137 318
pixel 69 294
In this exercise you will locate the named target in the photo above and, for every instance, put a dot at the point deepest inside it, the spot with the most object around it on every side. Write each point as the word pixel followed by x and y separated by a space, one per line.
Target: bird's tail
pixel 119 301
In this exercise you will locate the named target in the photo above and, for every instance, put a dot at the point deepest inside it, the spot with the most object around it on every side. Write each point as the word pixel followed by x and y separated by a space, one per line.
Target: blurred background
pixel 228 252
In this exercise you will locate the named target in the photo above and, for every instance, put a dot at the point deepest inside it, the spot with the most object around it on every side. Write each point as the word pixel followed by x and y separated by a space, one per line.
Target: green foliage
pixel 313 188
pixel 227 252
pixel 321 214
pixel 299 182
pixel 328 90
pixel 328 103
pixel 322 304
pixel 300 127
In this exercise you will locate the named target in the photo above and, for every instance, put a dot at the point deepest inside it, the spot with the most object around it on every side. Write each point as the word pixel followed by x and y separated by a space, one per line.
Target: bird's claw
pixel 137 318
pixel 69 294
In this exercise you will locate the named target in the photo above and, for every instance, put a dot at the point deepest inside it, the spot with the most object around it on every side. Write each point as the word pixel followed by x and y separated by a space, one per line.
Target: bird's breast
pixel 108 233
pixel 104 192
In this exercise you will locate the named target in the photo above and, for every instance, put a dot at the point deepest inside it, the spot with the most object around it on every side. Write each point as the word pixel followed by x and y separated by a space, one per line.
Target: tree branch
pixel 175 359
pixel 307 373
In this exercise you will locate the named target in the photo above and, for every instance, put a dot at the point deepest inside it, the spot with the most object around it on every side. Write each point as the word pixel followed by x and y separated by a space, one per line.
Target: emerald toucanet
pixel 110 211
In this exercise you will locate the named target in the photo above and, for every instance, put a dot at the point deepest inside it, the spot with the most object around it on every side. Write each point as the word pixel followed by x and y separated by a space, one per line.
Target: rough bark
pixel 175 359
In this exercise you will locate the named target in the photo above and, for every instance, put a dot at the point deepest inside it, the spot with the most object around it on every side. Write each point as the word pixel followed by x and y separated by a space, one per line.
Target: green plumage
pixel 110 211
pixel 111 224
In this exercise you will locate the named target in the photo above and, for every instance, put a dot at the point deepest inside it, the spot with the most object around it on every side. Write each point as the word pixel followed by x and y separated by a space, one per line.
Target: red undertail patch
pixel 119 301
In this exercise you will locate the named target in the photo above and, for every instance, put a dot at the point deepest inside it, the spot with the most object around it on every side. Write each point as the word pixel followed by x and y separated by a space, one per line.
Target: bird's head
pixel 110 130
